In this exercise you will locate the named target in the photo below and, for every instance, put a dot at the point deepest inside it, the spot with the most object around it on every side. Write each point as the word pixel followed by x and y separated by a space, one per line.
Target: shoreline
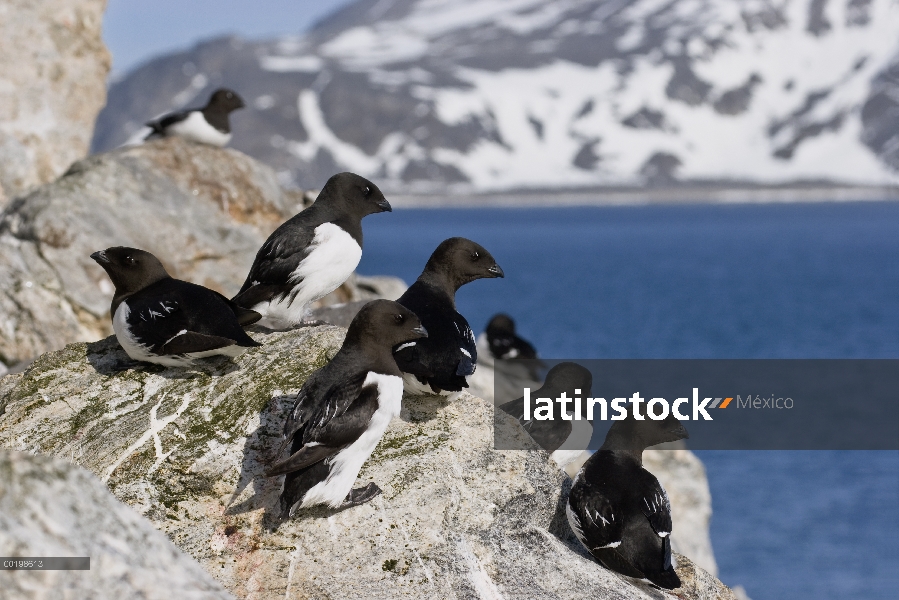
pixel 708 194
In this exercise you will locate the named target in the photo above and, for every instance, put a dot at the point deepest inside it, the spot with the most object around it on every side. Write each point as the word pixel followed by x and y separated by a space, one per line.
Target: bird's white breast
pixel 129 343
pixel 345 465
pixel 196 128
pixel 333 256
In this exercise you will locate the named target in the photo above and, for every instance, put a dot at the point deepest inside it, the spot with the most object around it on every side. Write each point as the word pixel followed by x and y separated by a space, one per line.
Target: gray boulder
pixel 50 508
pixel 186 449
pixel 52 86
pixel 203 211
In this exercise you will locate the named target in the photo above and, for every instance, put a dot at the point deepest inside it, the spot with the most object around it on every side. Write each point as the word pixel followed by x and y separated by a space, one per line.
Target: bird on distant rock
pixel 167 321
pixel 312 254
pixel 504 342
pixel 619 511
pixel 565 439
pixel 207 125
pixel 441 363
pixel 342 411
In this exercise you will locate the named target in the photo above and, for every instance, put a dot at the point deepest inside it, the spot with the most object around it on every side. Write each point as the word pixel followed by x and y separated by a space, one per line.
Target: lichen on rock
pixel 186 449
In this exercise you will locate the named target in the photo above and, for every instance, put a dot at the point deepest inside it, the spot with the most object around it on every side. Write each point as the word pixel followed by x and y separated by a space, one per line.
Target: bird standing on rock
pixel 312 254
pixel 167 321
pixel 619 511
pixel 207 125
pixel 342 411
pixel 441 363
pixel 565 439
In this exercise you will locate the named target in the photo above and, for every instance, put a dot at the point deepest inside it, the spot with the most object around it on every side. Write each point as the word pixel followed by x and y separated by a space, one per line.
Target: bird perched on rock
pixel 343 410
pixel 166 321
pixel 619 511
pixel 504 342
pixel 564 438
pixel 440 364
pixel 313 253
pixel 207 125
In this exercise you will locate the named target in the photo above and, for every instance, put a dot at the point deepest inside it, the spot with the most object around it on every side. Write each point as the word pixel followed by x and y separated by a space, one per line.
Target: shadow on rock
pixel 260 450
pixel 109 359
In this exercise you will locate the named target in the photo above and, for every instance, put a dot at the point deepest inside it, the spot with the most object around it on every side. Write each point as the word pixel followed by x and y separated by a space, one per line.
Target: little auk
pixel 619 511
pixel 564 439
pixel 441 363
pixel 207 125
pixel 342 411
pixel 166 321
pixel 312 254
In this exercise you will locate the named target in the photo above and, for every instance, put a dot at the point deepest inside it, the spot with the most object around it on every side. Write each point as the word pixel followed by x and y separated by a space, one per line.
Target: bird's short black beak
pixel 496 271
pixel 100 257
pixel 421 331
pixel 384 205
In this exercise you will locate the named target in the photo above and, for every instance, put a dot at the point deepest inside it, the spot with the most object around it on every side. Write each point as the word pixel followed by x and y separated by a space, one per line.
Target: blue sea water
pixel 817 280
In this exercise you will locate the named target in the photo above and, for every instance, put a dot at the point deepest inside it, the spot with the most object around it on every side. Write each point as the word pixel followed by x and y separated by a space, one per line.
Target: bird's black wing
pixel 271 276
pixel 176 317
pixel 657 508
pixel 468 350
pixel 159 125
pixel 319 437
pixel 315 401
pixel 593 518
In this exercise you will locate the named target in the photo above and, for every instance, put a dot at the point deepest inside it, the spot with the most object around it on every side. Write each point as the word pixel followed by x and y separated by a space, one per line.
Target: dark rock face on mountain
pixel 489 95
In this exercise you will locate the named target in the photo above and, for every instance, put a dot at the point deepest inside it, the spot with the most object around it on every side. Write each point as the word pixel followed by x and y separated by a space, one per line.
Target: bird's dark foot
pixel 360 495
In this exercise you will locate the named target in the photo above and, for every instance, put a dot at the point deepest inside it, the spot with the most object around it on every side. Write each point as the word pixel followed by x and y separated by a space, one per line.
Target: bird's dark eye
pixel 399 319
pixel 366 190
pixel 129 259
pixel 475 256
pixel 230 95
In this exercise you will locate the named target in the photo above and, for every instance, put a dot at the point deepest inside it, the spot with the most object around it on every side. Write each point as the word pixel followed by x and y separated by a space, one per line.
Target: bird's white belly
pixel 196 128
pixel 333 257
pixel 129 343
pixel 345 465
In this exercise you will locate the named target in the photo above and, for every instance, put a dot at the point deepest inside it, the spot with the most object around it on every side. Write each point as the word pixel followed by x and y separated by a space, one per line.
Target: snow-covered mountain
pixel 500 94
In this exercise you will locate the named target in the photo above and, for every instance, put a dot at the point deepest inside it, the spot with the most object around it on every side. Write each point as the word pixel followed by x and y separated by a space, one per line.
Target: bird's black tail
pixel 666 579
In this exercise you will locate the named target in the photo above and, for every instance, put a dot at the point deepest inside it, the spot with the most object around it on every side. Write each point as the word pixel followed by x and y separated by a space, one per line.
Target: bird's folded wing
pixel 657 509
pixel 158 125
pixel 191 341
pixel 314 403
pixel 332 436
pixel 601 526
pixel 468 348
pixel 273 272
pixel 156 319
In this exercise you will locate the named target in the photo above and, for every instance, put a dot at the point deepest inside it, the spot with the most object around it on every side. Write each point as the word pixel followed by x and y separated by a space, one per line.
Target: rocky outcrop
pixel 52 86
pixel 203 211
pixel 457 519
pixel 49 508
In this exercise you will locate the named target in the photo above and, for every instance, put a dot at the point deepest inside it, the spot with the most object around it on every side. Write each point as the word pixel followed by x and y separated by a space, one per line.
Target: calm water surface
pixel 707 281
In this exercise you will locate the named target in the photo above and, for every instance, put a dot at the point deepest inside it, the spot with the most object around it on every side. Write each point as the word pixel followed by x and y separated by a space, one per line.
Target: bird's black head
pixel 387 324
pixel 225 100
pixel 354 195
pixel 634 434
pixel 130 269
pixel 460 261
pixel 501 324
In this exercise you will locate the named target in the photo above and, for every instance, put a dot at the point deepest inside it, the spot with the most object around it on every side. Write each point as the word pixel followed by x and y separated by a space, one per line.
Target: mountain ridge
pixel 487 96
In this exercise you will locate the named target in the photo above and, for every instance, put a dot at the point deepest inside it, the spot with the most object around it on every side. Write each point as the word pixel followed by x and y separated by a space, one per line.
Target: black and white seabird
pixel 619 511
pixel 167 321
pixel 504 343
pixel 441 363
pixel 207 125
pixel 343 410
pixel 313 253
pixel 565 439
